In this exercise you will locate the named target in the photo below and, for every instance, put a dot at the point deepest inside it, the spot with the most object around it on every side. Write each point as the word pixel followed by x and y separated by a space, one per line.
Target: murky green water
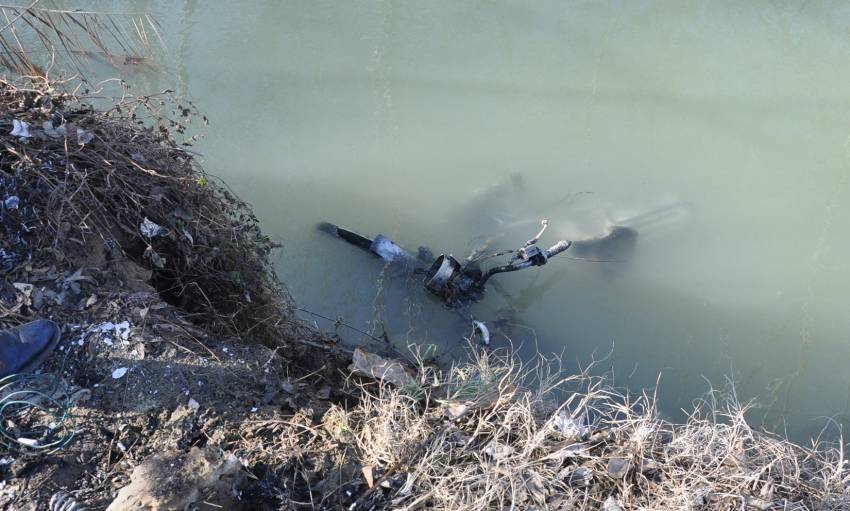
pixel 387 117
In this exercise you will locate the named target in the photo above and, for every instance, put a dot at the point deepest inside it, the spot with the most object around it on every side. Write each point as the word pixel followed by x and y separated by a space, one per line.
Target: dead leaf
pixel 535 487
pixel 367 474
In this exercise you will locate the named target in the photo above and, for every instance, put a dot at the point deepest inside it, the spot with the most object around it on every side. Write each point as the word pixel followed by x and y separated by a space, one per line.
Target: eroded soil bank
pixel 184 380
pixel 176 333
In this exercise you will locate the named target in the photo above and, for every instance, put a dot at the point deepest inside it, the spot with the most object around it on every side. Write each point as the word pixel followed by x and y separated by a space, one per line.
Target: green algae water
pixel 403 118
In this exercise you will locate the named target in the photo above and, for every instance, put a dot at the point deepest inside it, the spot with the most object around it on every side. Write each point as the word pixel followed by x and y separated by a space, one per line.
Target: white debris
pixel 104 327
pixel 150 229
pixel 112 331
pixel 254 409
pixel 612 504
pixel 188 235
pixel 24 288
pixel 20 129
pixel 12 202
pixel 122 330
pixel 119 373
pixel 498 450
pixel 641 434
pixel 194 405
pixel 84 136
pixel 482 329
pixel 569 426
pixel 50 131
pixel 29 442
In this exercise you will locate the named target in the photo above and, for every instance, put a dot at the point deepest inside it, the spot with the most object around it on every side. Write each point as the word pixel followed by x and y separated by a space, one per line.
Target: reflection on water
pixel 386 117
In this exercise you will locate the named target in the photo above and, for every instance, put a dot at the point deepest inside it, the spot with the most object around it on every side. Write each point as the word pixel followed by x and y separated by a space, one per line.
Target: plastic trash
pixel 150 229
pixel 20 129
pixel 84 136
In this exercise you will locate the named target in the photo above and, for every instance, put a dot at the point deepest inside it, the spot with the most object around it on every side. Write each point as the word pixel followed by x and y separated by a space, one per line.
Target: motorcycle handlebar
pixel 554 250
pixel 557 248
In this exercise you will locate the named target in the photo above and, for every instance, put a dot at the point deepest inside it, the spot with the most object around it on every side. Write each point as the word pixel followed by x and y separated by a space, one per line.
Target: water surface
pixel 388 116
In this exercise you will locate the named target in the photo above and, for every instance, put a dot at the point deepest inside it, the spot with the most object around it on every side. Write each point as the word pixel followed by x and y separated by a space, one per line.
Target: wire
pixel 339 322
pixel 22 398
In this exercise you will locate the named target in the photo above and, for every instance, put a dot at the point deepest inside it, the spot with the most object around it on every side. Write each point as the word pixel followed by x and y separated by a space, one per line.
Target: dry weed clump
pixel 116 181
pixel 478 437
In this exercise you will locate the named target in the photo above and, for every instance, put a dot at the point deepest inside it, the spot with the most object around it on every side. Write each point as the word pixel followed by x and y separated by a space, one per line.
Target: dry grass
pixel 33 36
pixel 479 436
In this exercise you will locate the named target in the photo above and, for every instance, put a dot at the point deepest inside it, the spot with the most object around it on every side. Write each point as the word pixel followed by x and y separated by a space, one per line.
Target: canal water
pixel 725 124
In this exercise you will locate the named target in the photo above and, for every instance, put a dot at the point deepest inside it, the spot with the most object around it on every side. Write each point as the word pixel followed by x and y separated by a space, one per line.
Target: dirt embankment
pixel 184 381
pixel 176 333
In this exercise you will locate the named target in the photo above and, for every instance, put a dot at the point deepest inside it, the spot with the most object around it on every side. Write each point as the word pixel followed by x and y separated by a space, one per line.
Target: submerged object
pixel 24 348
pixel 387 250
pixel 616 246
pixel 459 284
pixel 352 237
pixel 380 245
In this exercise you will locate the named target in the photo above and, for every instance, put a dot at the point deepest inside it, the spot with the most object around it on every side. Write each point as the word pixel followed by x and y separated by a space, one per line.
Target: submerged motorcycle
pixel 460 283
